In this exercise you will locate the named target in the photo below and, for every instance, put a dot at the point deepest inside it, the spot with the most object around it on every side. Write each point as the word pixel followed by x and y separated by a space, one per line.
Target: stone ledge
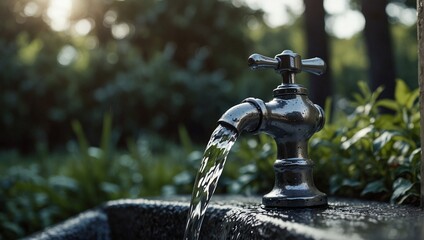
pixel 232 217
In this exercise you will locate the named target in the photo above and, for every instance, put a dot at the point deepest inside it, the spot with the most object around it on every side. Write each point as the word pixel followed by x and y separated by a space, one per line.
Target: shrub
pixel 38 192
pixel 371 154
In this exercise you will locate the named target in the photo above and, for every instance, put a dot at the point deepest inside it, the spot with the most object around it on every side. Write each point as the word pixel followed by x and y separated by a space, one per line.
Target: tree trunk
pixel 317 46
pixel 420 33
pixel 379 45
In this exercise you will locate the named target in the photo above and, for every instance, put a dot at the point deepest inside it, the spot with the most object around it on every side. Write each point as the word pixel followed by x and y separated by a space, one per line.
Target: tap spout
pixel 245 117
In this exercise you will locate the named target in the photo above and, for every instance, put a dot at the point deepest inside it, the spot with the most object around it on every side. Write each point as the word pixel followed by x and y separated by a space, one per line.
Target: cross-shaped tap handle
pixel 287 62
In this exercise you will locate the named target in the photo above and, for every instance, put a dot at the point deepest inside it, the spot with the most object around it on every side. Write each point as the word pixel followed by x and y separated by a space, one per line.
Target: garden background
pixel 104 99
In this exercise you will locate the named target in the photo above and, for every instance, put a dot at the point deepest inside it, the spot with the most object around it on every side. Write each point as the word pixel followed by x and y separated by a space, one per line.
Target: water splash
pixel 220 143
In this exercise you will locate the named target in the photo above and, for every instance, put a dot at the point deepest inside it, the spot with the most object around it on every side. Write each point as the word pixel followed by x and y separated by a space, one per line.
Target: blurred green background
pixel 107 99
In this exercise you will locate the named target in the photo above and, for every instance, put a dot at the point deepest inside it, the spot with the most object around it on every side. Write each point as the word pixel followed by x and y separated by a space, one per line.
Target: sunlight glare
pixel 67 55
pixel 342 22
pixel 59 12
pixel 402 13
pixel 345 25
pixel 336 6
pixel 31 9
pixel 110 18
pixel 121 30
pixel 278 12
pixel 83 27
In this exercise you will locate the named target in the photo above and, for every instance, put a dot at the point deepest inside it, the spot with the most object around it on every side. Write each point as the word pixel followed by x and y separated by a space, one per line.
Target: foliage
pixel 253 157
pixel 37 194
pixel 373 152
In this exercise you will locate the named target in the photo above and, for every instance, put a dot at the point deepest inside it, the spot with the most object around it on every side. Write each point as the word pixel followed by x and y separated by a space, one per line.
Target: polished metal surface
pixel 245 116
pixel 314 65
pixel 257 61
pixel 287 64
pixel 291 119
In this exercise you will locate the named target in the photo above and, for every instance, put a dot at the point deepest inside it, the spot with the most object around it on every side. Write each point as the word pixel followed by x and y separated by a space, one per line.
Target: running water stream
pixel 213 162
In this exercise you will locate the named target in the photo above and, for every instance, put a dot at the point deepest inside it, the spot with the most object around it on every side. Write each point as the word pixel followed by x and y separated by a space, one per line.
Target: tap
pixel 291 119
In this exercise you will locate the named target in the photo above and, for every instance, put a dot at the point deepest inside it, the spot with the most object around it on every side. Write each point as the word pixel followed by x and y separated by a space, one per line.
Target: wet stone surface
pixel 243 218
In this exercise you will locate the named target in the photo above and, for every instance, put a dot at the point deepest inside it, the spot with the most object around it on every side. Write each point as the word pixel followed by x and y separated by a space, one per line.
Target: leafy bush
pixel 36 193
pixel 372 154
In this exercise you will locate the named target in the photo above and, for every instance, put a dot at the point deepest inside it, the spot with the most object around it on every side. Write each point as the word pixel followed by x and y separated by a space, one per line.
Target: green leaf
pixel 400 187
pixel 408 195
pixel 415 157
pixel 402 170
pixel 82 140
pixel 335 183
pixel 185 139
pixel 106 134
pixel 413 98
pixel 358 98
pixel 350 183
pixel 376 94
pixel 13 227
pixel 327 111
pixel 63 182
pixel 109 188
pixel 374 187
pixel 401 92
pixel 388 103
pixel 358 136
pixel 382 140
pixel 365 90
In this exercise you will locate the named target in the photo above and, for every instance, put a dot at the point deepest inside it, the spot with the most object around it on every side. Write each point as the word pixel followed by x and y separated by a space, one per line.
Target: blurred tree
pixel 217 28
pixel 317 45
pixel 379 46
pixel 153 64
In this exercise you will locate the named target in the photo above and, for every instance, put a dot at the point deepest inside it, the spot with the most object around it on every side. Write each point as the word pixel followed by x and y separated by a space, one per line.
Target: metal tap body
pixel 291 119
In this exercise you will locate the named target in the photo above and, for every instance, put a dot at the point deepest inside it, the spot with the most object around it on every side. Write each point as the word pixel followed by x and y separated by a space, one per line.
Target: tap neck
pixel 290 89
pixel 292 150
